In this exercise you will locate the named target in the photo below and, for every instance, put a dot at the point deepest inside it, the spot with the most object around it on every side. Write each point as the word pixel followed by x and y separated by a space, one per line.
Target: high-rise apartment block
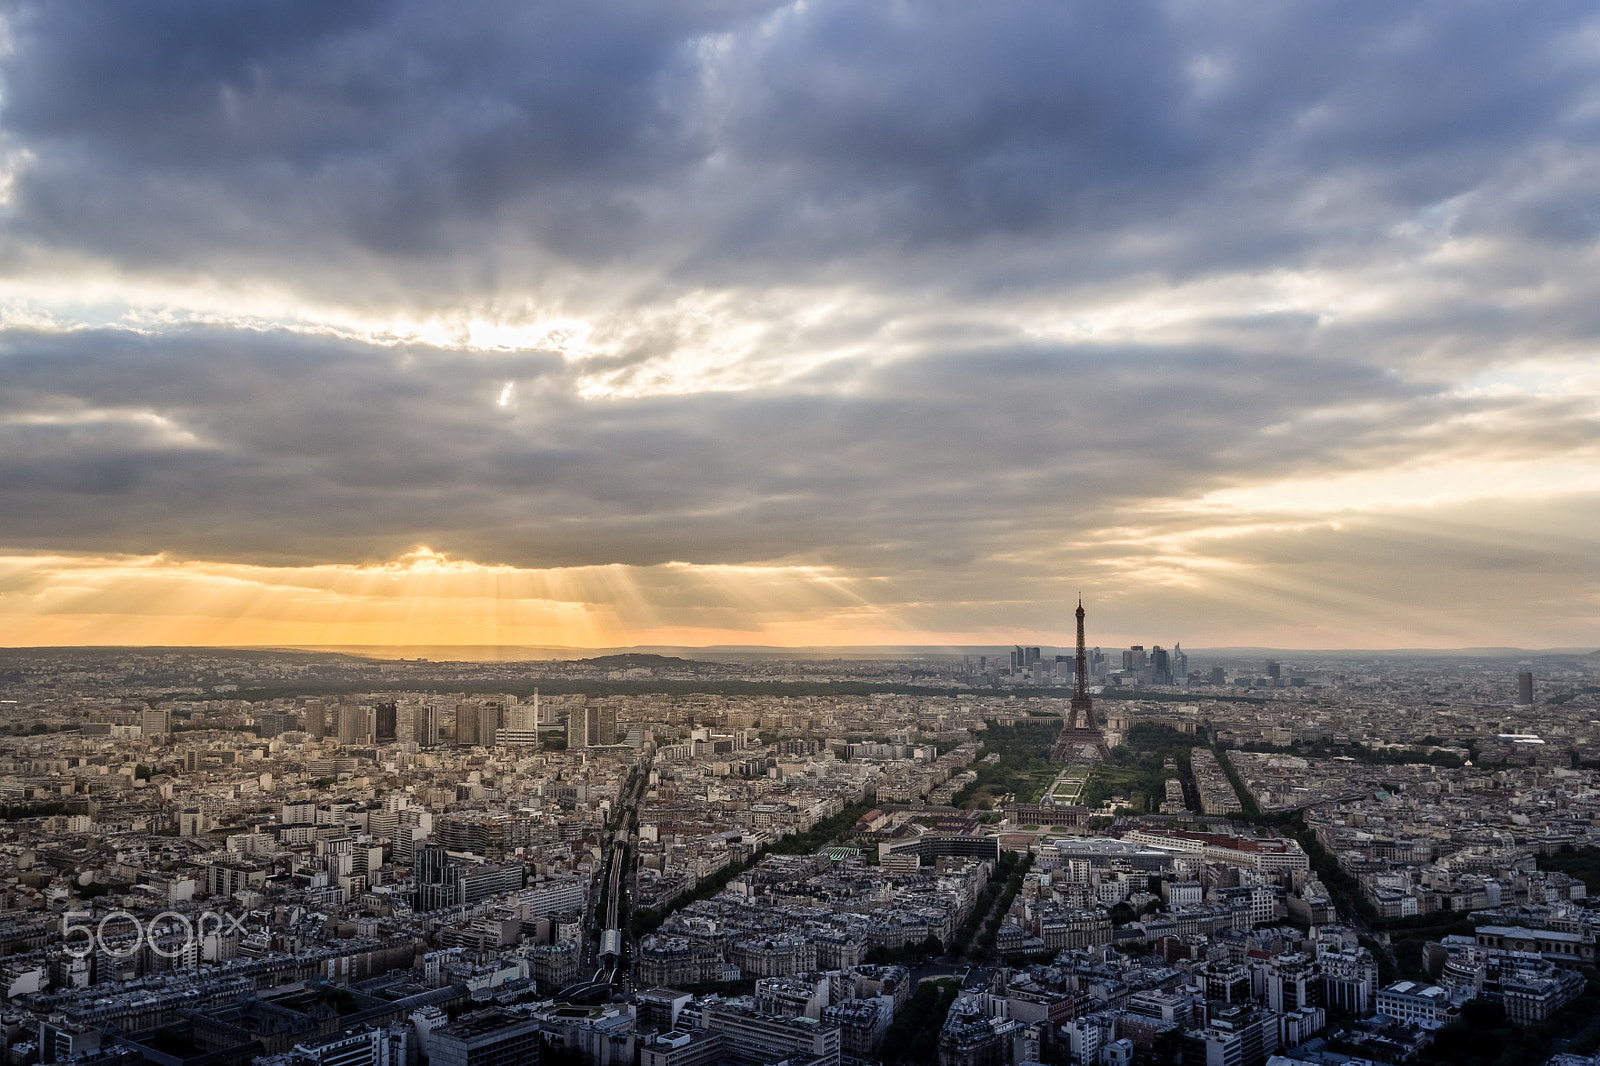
pixel 317 718
pixel 385 722
pixel 591 725
pixel 418 722
pixel 524 717
pixel 477 721
pixel 272 725
pixel 355 724
pixel 491 716
pixel 156 721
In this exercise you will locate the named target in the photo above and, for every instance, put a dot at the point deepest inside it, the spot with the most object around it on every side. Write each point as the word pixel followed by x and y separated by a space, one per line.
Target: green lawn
pixel 1141 785
pixel 1024 767
pixel 1135 769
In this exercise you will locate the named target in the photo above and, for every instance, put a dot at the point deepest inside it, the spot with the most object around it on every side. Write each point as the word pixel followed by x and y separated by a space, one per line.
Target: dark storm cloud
pixel 474 147
pixel 198 135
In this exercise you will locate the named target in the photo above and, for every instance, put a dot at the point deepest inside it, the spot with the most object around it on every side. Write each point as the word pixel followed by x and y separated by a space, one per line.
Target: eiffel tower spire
pixel 1082 706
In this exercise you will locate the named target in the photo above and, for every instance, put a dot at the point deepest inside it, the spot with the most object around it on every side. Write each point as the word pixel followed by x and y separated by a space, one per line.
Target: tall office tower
pixel 490 719
pixel 578 728
pixel 1180 663
pixel 1217 677
pixel 1034 658
pixel 1525 688
pixel 1160 666
pixel 605 729
pixel 405 720
pixel 317 718
pixel 1274 669
pixel 1082 716
pixel 355 724
pixel 385 722
pixel 466 724
pixel 158 721
pixel 1019 658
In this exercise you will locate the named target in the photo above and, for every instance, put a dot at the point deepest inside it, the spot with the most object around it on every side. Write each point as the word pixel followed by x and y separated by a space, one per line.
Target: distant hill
pixel 636 659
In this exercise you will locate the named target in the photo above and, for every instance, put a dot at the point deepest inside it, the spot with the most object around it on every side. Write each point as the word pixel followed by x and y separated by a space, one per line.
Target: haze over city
pixel 789 325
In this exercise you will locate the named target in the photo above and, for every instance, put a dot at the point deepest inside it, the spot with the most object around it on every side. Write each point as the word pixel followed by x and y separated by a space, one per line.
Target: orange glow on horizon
pixel 427 599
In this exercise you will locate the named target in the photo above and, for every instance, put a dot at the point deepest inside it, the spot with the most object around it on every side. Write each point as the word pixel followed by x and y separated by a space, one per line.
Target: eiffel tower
pixel 1080 730
pixel 1082 706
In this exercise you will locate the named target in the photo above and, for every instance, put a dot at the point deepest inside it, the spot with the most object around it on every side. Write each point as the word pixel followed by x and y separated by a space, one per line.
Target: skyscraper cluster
pixel 1136 665
pixel 1155 666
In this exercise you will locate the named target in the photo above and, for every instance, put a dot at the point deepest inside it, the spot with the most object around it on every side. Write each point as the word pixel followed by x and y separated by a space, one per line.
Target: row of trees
pixel 815 839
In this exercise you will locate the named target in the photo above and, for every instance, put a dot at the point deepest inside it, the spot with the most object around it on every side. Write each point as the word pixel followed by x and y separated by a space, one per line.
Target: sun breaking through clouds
pixel 799 324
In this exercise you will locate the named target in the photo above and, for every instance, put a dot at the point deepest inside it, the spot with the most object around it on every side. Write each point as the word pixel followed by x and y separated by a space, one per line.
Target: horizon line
pixel 367 650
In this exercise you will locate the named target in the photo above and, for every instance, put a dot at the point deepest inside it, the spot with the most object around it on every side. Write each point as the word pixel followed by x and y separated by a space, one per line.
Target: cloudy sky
pixel 796 324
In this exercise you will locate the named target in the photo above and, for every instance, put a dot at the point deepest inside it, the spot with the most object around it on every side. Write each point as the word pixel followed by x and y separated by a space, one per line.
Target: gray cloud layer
pixel 427 152
pixel 961 171
pixel 289 448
